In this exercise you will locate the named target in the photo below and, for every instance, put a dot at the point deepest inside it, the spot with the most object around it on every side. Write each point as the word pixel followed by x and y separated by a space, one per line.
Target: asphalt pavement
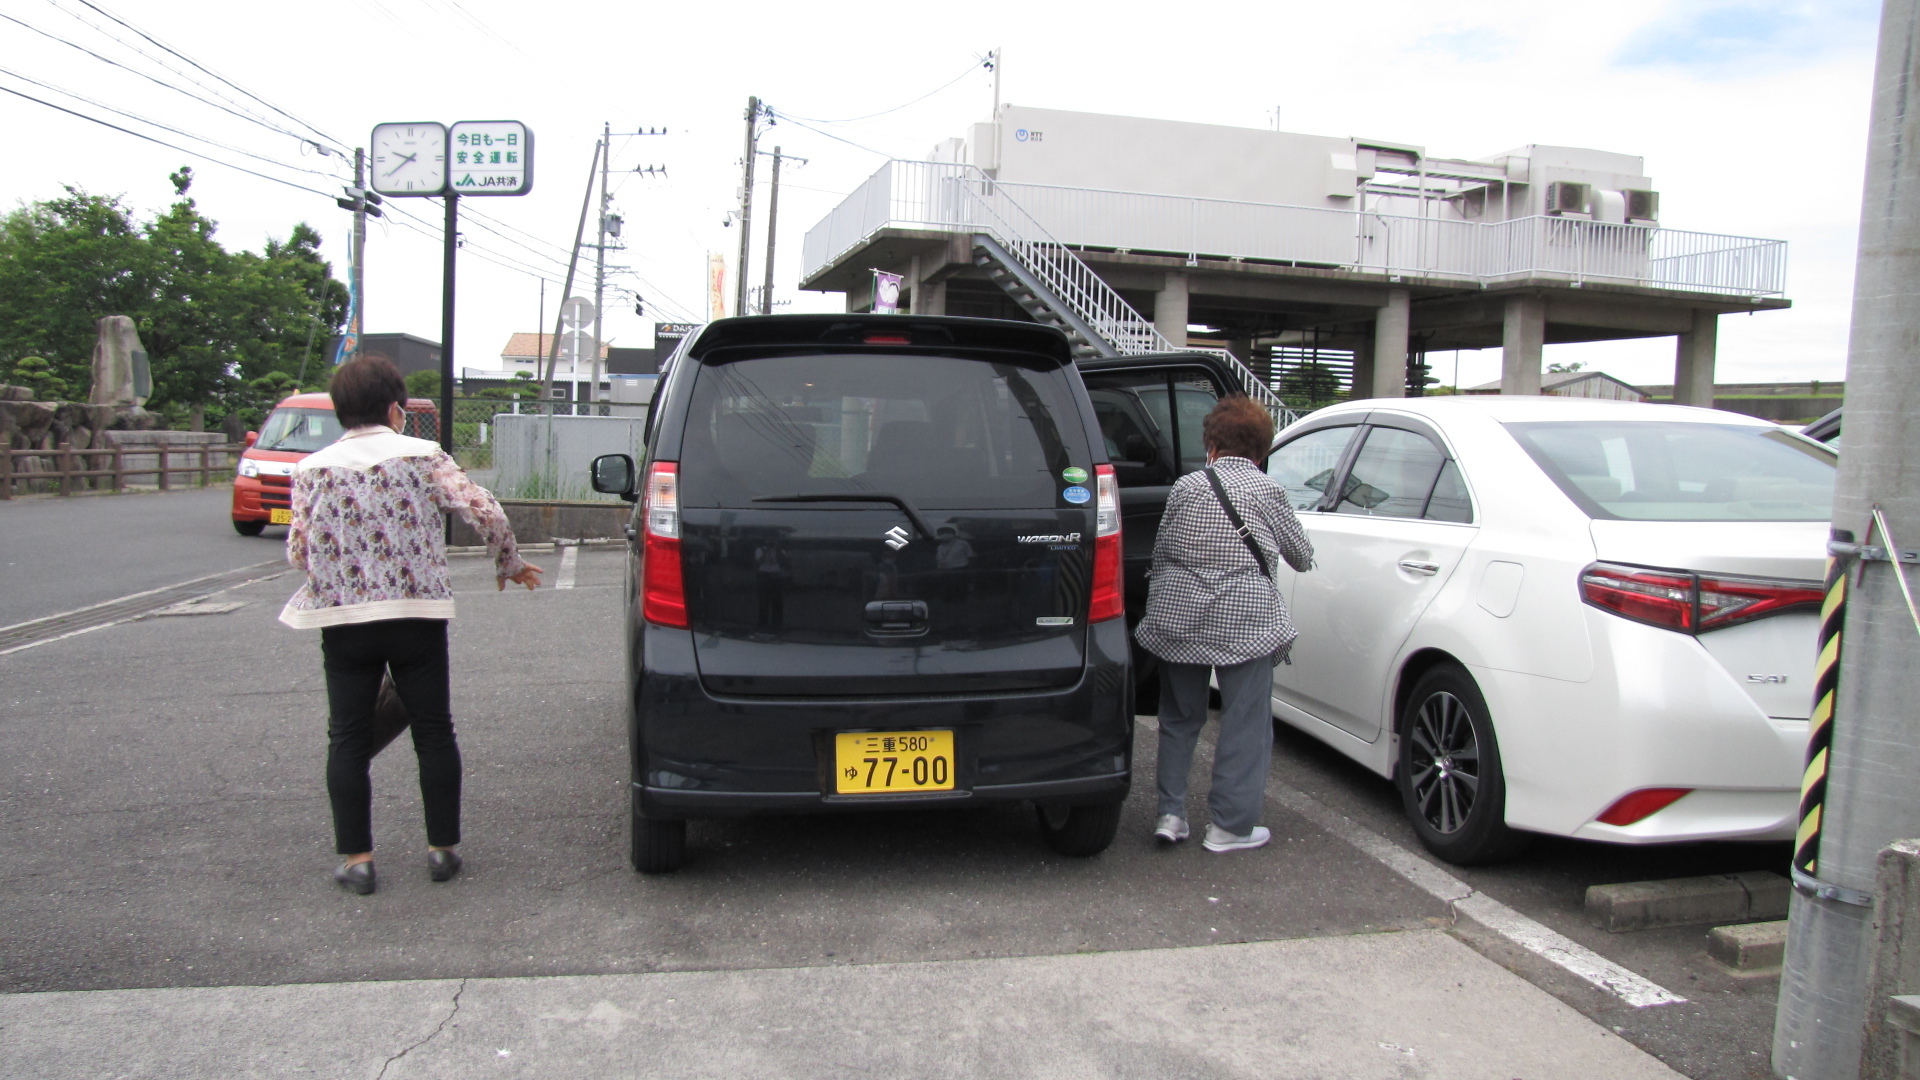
pixel 164 815
pixel 58 553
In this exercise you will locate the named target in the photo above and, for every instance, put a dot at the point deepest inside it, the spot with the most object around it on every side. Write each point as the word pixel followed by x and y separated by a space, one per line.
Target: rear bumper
pixel 696 755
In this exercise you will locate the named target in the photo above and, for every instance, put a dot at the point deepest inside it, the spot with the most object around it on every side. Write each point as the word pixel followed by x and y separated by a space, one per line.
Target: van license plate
pixel 279 517
pixel 881 762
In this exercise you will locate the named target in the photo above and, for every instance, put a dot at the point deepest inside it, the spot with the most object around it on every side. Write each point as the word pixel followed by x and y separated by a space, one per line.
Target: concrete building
pixel 407 352
pixel 1136 235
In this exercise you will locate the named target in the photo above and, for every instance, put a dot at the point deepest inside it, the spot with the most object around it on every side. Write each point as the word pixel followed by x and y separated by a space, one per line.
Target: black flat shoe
pixel 355 878
pixel 442 865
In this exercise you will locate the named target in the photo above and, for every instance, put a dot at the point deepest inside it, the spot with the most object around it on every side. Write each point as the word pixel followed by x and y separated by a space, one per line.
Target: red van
pixel 303 423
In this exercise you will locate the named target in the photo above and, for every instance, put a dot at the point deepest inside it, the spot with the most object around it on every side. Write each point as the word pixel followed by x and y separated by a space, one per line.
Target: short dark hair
pixel 1238 427
pixel 363 388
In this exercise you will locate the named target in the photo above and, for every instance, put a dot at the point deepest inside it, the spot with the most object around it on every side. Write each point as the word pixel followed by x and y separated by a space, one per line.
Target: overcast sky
pixel 1751 116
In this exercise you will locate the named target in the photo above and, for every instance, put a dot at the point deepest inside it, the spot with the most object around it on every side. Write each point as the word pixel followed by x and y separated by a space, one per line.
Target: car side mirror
pixel 613 474
pixel 251 438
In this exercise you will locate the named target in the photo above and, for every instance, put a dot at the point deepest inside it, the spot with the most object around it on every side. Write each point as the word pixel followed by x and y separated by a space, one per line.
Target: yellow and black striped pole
pixel 1826 688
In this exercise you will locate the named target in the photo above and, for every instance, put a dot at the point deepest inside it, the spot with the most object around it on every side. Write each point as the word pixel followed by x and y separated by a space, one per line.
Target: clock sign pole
pixel 427 159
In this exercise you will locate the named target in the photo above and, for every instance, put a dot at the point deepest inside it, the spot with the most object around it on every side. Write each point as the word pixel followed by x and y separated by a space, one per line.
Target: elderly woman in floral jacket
pixel 367 530
pixel 1213 607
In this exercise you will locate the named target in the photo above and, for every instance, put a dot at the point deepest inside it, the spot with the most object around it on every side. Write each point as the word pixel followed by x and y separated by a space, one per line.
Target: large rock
pixel 26 423
pixel 15 393
pixel 120 375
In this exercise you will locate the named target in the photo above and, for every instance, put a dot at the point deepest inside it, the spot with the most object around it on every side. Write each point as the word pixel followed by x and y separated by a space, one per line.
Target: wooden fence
pixel 74 470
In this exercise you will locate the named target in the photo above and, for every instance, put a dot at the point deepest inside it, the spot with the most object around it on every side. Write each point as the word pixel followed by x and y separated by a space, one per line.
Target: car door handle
pixel 1415 566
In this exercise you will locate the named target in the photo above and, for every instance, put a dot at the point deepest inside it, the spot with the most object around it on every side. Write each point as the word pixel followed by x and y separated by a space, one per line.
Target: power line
pixel 971 68
pixel 139 135
pixel 831 135
pixel 215 74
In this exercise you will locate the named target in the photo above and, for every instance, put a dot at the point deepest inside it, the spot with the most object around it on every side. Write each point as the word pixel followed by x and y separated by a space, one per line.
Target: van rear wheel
pixel 249 528
pixel 659 847
pixel 1079 830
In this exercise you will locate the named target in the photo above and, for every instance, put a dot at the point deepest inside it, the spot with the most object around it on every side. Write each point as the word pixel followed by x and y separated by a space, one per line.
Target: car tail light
pixel 1108 603
pixel 663 587
pixel 888 339
pixel 1640 805
pixel 1689 602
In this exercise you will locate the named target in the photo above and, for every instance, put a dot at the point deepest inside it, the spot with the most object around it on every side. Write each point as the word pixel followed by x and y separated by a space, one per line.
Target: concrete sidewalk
pixel 1403 1005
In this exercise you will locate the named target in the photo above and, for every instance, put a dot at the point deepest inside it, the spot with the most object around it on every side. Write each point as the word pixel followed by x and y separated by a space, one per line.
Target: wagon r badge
pixel 897 537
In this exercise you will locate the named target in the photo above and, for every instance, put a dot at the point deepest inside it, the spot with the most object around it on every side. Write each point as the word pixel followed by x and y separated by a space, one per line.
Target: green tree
pixel 36 374
pixel 424 383
pixel 64 263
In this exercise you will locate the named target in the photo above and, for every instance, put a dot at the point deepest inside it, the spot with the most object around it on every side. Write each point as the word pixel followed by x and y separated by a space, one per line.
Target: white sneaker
pixel 1219 839
pixel 1171 829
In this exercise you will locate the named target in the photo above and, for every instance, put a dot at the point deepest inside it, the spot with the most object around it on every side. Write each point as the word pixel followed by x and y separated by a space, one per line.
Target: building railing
pixel 959 198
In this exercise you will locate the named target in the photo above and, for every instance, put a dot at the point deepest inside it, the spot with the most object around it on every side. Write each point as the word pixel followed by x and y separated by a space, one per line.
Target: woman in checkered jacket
pixel 1213 607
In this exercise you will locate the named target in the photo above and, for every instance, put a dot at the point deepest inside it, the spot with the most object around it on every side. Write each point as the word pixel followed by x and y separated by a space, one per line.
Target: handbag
pixel 390 716
pixel 1285 654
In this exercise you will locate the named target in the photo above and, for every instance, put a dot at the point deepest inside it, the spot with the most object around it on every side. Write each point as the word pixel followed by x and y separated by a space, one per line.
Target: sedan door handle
pixel 1415 566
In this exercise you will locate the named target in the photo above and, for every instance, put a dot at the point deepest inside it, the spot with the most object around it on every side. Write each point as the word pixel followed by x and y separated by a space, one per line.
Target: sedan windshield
pixel 298 430
pixel 1655 471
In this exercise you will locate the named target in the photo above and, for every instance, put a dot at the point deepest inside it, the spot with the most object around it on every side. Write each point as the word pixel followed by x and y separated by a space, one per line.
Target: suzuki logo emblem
pixel 897 537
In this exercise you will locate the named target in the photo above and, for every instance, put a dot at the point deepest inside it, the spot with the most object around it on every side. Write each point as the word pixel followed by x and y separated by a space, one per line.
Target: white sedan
pixel 1559 615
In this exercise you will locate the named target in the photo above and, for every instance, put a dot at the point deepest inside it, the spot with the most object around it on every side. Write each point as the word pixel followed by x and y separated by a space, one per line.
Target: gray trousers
pixel 1244 749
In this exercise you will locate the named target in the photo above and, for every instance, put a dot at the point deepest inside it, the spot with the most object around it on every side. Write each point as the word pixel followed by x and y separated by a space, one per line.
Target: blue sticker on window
pixel 1076 494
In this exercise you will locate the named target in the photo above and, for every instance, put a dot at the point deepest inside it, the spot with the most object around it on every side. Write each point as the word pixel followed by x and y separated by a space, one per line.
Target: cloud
pixel 1719 39
pixel 1473 44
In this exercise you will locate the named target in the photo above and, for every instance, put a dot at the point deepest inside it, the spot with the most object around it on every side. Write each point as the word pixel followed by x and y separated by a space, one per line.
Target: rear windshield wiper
pixel 900 501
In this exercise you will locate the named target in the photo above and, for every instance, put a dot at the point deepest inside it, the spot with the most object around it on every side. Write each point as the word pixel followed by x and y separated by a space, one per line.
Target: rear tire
pixel 1079 831
pixel 659 847
pixel 1450 778
pixel 249 528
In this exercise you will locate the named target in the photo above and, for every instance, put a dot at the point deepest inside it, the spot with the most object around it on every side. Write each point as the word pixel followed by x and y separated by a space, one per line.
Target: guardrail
pixel 923 195
pixel 73 470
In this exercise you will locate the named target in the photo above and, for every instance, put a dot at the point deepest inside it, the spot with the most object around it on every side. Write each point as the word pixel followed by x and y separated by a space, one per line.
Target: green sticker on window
pixel 1074 474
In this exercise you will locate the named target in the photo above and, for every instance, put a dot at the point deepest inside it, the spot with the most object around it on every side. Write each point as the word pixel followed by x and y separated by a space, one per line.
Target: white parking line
pixel 568 560
pixel 1530 935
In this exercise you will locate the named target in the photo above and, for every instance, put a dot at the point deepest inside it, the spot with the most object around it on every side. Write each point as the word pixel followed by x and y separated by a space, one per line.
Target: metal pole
pixel 773 217
pixel 450 246
pixel 359 249
pixel 579 232
pixel 746 208
pixel 600 273
pixel 1863 742
pixel 998 61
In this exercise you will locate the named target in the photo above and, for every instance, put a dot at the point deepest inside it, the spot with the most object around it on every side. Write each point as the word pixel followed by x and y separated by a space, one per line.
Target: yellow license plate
pixel 279 517
pixel 879 762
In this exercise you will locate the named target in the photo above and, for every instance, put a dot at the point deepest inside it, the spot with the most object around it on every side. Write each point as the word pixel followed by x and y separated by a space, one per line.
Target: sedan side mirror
pixel 252 437
pixel 613 474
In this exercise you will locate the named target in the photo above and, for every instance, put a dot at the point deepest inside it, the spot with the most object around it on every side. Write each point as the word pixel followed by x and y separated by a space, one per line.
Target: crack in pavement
pixel 381 1075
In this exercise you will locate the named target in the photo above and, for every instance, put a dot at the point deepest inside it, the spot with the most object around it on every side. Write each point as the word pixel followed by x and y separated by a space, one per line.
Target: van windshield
pixel 1655 471
pixel 942 432
pixel 298 430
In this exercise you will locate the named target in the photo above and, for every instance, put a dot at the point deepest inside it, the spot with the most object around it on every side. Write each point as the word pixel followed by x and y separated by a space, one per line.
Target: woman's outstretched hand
pixel 529 576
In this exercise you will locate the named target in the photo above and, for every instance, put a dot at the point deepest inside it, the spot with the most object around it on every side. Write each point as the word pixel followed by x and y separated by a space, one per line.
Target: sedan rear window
pixel 1654 471
pixel 942 432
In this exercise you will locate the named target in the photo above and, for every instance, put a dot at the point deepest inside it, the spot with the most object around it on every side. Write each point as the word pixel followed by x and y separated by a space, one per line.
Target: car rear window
pixel 942 432
pixel 298 430
pixel 1654 471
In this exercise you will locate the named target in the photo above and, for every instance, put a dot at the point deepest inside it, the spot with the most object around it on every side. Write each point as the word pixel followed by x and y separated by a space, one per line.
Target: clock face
pixel 409 159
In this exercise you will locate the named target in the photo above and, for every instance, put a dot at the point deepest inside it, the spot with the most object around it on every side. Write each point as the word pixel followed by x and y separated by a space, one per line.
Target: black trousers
pixel 356 658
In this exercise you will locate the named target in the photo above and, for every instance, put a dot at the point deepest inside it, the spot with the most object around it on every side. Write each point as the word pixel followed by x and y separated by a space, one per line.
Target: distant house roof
pixel 1594 384
pixel 523 346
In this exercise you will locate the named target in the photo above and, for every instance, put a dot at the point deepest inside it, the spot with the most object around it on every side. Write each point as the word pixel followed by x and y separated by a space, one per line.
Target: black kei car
pixel 876 562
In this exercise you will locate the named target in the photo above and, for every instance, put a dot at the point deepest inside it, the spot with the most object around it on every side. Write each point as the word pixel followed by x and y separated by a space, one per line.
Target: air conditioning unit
pixel 1565 197
pixel 1643 207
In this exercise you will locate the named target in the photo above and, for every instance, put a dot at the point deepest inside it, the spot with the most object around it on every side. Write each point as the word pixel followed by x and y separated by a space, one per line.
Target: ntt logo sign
pixel 1023 135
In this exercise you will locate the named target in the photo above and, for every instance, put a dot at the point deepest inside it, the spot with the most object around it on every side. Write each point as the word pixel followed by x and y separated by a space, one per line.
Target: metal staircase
pixel 1055 287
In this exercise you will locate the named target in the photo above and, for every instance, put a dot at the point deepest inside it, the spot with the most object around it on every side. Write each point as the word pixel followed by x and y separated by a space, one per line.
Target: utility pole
pixel 773 219
pixel 993 61
pixel 452 246
pixel 600 272
pixel 746 207
pixel 579 233
pixel 359 249
pixel 1863 741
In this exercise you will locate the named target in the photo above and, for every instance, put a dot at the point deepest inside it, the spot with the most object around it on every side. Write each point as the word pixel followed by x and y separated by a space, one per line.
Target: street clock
pixel 409 159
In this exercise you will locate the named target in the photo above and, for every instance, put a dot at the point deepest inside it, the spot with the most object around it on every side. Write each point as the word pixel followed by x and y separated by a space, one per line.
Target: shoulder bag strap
pixel 1239 526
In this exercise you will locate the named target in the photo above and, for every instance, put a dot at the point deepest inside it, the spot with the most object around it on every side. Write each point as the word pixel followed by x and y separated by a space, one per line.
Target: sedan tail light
pixel 663 586
pixel 1689 602
pixel 1107 603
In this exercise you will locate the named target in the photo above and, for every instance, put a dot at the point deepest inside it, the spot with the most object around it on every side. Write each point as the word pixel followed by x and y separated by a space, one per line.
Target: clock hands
pixel 405 161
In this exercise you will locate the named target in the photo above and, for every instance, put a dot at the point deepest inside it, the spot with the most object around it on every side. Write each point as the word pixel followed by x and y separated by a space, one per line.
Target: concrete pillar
pixel 930 298
pixel 1522 341
pixel 1390 325
pixel 1363 367
pixel 1693 361
pixel 912 306
pixel 1170 310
